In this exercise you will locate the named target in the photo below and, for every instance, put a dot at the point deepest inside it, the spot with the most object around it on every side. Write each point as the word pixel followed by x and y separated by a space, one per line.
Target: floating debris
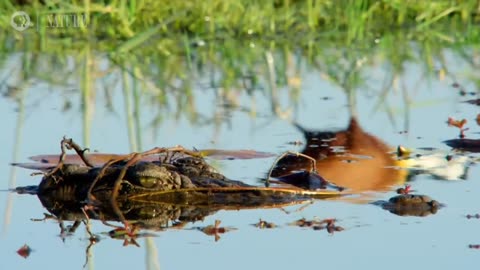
pixel 303 223
pixel 215 230
pixel 459 124
pixel 329 225
pixel 477 216
pixel 461 89
pixel 24 251
pixel 128 235
pixel 295 143
pixel 317 225
pixel 405 190
pixel 456 123
pixel 262 224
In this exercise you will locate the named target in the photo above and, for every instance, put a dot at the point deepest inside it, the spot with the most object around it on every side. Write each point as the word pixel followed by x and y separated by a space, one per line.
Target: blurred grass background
pixel 158 52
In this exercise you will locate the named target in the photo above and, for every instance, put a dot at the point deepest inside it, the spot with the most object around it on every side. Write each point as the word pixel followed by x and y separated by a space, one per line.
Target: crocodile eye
pixel 148 182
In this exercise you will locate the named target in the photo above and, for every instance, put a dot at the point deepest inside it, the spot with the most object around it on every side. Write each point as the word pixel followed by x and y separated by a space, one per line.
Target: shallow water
pixel 373 238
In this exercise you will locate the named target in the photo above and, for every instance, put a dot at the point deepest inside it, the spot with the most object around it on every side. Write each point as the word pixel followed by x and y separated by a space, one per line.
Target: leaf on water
pixel 303 222
pixel 317 225
pixel 35 166
pixel 24 251
pixel 456 123
pixel 215 230
pixel 98 159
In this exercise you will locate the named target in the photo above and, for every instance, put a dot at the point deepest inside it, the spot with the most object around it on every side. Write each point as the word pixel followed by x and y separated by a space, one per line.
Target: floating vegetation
pixel 458 124
pixel 24 251
pixel 215 230
pixel 328 224
pixel 262 224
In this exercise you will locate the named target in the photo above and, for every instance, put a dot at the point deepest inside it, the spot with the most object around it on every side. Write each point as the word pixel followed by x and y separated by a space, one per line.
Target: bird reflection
pixel 350 158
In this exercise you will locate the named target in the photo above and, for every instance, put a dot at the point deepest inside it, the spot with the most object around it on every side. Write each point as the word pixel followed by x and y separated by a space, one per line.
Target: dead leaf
pixel 24 251
pixel 456 123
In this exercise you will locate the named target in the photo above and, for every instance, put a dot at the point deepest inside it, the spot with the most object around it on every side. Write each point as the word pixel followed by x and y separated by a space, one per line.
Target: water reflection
pixel 359 161
pixel 464 144
pixel 143 216
pixel 350 158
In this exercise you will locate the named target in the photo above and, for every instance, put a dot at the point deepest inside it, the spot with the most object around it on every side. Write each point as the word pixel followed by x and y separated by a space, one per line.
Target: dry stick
pixel 80 152
pixel 85 214
pixel 74 226
pixel 60 159
pixel 69 144
pixel 106 223
pixel 314 164
pixel 102 172
pixel 301 208
pixel 87 227
pixel 92 241
pixel 62 230
pixel 166 158
pixel 110 163
pixel 45 217
pixel 116 187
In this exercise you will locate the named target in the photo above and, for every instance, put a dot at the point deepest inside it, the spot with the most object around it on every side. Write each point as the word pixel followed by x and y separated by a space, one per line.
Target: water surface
pixel 373 238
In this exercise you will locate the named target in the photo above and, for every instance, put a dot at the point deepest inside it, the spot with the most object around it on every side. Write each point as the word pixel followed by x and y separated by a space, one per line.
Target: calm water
pixel 373 238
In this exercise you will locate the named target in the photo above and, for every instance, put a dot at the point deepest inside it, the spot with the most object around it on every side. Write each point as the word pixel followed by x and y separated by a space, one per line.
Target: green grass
pixel 123 26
